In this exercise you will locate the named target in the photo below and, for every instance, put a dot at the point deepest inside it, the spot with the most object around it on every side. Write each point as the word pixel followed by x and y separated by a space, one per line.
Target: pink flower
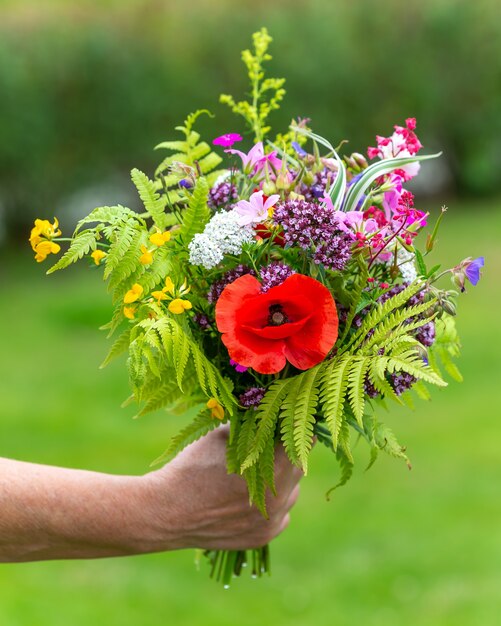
pixel 256 159
pixel 227 140
pixel 402 143
pixel 255 210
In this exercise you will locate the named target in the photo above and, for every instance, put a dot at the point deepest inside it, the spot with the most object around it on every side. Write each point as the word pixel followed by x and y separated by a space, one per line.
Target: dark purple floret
pixel 310 225
pixel 426 334
pixel 222 195
pixel 370 390
pixel 334 254
pixel 202 320
pixel 319 186
pixel 274 274
pixel 305 224
pixel 252 397
pixel 402 382
pixel 216 289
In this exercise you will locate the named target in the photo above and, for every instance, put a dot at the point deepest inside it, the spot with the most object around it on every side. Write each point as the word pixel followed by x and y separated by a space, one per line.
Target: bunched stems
pixel 228 564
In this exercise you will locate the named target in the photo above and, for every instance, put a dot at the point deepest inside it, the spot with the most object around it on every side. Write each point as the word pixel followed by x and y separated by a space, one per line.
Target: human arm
pixel 55 513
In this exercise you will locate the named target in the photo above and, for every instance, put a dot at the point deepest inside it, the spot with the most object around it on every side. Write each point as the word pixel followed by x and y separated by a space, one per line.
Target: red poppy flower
pixel 296 322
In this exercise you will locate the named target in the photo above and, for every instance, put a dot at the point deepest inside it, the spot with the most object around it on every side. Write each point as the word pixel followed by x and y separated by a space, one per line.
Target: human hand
pixel 195 503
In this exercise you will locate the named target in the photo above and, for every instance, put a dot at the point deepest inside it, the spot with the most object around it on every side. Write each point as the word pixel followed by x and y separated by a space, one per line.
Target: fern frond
pixel 267 465
pixel 195 430
pixel 304 415
pixel 81 245
pixel 266 418
pixel 120 345
pixel 125 236
pixel 153 202
pixel 333 389
pixel 379 313
pixel 108 215
pixel 356 390
pixel 196 216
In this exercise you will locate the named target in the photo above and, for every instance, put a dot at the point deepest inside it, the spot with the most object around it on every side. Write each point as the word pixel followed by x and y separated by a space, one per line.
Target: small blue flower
pixel 472 270
pixel 298 149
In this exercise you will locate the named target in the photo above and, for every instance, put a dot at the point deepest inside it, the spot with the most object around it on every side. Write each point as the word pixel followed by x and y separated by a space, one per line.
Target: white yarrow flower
pixel 405 261
pixel 222 235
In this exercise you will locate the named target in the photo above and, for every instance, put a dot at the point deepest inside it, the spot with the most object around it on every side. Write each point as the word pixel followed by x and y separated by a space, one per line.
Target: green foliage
pixel 445 348
pixel 266 93
pixel 173 355
pixel 199 427
pixel 333 392
pixel 153 202
pixel 196 216
pixel 81 245
pixel 190 152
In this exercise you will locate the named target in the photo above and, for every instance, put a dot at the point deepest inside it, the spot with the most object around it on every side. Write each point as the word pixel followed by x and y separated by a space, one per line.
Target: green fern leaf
pixel 266 418
pixel 153 202
pixel 108 215
pixel 126 236
pixel 120 346
pixel 356 390
pixel 198 428
pixel 197 214
pixel 333 390
pixel 304 415
pixel 81 245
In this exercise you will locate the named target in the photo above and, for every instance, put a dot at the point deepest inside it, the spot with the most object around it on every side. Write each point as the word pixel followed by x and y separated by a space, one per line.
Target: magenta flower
pixel 238 368
pixel 255 210
pixel 227 140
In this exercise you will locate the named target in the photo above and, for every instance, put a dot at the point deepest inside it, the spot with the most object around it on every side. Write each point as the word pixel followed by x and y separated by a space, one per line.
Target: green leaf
pixel 81 245
pixel 333 391
pixel 266 419
pixel 199 427
pixel 120 346
pixel 196 216
pixel 369 175
pixel 153 202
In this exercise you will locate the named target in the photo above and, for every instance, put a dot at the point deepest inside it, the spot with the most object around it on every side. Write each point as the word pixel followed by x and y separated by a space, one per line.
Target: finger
pixel 292 499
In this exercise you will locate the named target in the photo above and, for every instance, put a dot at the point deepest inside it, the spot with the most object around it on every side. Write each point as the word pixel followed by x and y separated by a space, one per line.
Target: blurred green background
pixel 86 90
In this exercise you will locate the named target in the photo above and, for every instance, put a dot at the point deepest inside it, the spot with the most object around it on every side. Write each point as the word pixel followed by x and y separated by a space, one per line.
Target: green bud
pixel 449 307
pixel 269 188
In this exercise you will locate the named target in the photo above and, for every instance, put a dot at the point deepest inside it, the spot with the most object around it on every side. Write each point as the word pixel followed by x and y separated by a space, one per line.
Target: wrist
pixel 155 514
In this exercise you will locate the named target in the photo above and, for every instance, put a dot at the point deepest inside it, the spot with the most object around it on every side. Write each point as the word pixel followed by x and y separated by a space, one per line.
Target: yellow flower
pixel 40 238
pixel 178 306
pixel 98 256
pixel 159 295
pixel 133 294
pixel 158 239
pixel 147 257
pixel 44 248
pixel 169 285
pixel 216 409
pixel 130 312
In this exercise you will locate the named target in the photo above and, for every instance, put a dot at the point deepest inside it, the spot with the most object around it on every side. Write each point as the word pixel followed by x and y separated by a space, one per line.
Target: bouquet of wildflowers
pixel 284 290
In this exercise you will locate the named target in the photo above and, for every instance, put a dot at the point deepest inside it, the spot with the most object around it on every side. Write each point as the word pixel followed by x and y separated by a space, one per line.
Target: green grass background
pixel 393 547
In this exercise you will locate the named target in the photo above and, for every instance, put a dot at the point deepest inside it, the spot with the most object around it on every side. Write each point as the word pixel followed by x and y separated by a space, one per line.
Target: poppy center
pixel 277 316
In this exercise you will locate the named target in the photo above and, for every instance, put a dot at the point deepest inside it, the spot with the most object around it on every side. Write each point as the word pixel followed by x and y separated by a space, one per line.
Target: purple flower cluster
pixel 402 382
pixel 305 224
pixel 335 253
pixel 274 274
pixel 318 187
pixel 426 334
pixel 216 289
pixel 202 320
pixel 252 397
pixel 310 225
pixel 222 195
